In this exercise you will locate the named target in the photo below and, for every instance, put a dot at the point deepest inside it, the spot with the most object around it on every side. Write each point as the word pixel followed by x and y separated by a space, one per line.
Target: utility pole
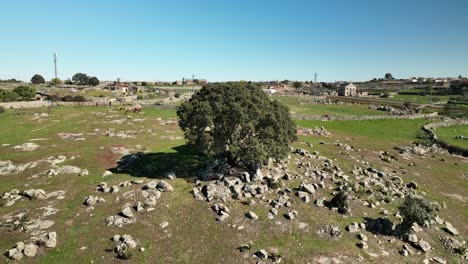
pixel 55 64
pixel 315 77
pixel 193 82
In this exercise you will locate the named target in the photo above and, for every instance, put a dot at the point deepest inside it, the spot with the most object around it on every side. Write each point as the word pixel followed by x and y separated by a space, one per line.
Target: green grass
pixel 419 99
pixel 382 133
pixel 301 107
pixel 193 235
pixel 449 133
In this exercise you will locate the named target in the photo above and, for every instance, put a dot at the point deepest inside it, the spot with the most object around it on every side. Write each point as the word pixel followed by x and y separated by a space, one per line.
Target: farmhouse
pixel 347 90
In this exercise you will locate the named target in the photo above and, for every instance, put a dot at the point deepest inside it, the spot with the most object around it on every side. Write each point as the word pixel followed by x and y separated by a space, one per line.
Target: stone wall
pixel 35 104
pixel 432 127
pixel 365 117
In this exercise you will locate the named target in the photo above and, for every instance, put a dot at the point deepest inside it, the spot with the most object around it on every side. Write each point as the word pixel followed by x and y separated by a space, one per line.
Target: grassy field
pixel 193 235
pixel 300 107
pixel 376 134
pixel 450 133
pixel 419 99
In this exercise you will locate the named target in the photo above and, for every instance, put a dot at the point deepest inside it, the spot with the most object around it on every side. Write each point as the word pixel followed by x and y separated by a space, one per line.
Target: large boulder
pixel 164 187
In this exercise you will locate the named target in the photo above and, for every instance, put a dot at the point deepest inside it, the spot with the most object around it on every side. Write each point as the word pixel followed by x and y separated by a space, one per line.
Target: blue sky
pixel 234 40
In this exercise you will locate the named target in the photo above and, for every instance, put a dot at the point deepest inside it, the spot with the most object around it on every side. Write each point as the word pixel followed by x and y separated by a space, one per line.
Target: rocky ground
pixel 95 185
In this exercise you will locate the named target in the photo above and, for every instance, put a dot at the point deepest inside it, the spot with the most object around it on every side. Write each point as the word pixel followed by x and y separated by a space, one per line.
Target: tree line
pixel 77 79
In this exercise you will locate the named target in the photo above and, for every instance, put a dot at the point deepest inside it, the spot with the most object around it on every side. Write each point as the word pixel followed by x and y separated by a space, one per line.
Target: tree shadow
pixel 184 162
pixel 382 226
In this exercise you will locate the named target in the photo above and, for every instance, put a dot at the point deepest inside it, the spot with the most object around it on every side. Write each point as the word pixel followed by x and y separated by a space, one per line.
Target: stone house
pixel 347 90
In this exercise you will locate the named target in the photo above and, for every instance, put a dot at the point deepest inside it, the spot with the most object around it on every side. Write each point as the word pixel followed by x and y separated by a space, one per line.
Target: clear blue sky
pixel 234 40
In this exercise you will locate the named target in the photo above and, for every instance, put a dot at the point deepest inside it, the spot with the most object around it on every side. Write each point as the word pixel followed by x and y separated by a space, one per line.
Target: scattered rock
pixel 164 224
pixel 127 212
pixel 164 186
pixel 252 215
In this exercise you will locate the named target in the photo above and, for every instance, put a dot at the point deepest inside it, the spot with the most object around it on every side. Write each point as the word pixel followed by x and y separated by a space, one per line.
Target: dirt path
pixel 53 124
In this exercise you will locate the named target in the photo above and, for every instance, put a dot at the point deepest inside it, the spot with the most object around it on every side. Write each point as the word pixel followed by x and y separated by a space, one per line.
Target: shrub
pixel 408 105
pixel 25 92
pixel 54 98
pixel 55 81
pixel 67 98
pixel 385 95
pixel 144 83
pixel 340 201
pixel 37 79
pixel 68 82
pixel 79 98
pixel 8 96
pixel 177 95
pixel 416 210
pixel 237 122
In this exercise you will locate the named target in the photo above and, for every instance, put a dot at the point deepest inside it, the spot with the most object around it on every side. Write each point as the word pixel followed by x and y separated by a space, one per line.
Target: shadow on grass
pixel 383 227
pixel 184 163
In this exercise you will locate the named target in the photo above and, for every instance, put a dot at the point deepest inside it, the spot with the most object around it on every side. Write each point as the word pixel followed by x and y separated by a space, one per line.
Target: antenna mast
pixel 55 64
pixel 193 82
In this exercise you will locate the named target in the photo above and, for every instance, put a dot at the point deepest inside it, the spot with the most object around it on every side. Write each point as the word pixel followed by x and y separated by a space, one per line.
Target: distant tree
pixel 25 92
pixel 196 81
pixel 408 105
pixel 297 85
pixel 55 81
pixel 93 81
pixel 415 209
pixel 68 82
pixel 237 122
pixel 285 81
pixel 80 79
pixel 388 76
pixel 428 88
pixel 144 84
pixel 37 79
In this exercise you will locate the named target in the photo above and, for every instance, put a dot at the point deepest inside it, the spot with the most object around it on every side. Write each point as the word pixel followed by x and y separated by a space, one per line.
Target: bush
pixel 67 98
pixel 79 98
pixel 237 122
pixel 54 98
pixel 177 95
pixel 416 210
pixel 8 96
pixel 37 79
pixel 385 95
pixel 144 83
pixel 68 82
pixel 55 81
pixel 340 201
pixel 25 92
